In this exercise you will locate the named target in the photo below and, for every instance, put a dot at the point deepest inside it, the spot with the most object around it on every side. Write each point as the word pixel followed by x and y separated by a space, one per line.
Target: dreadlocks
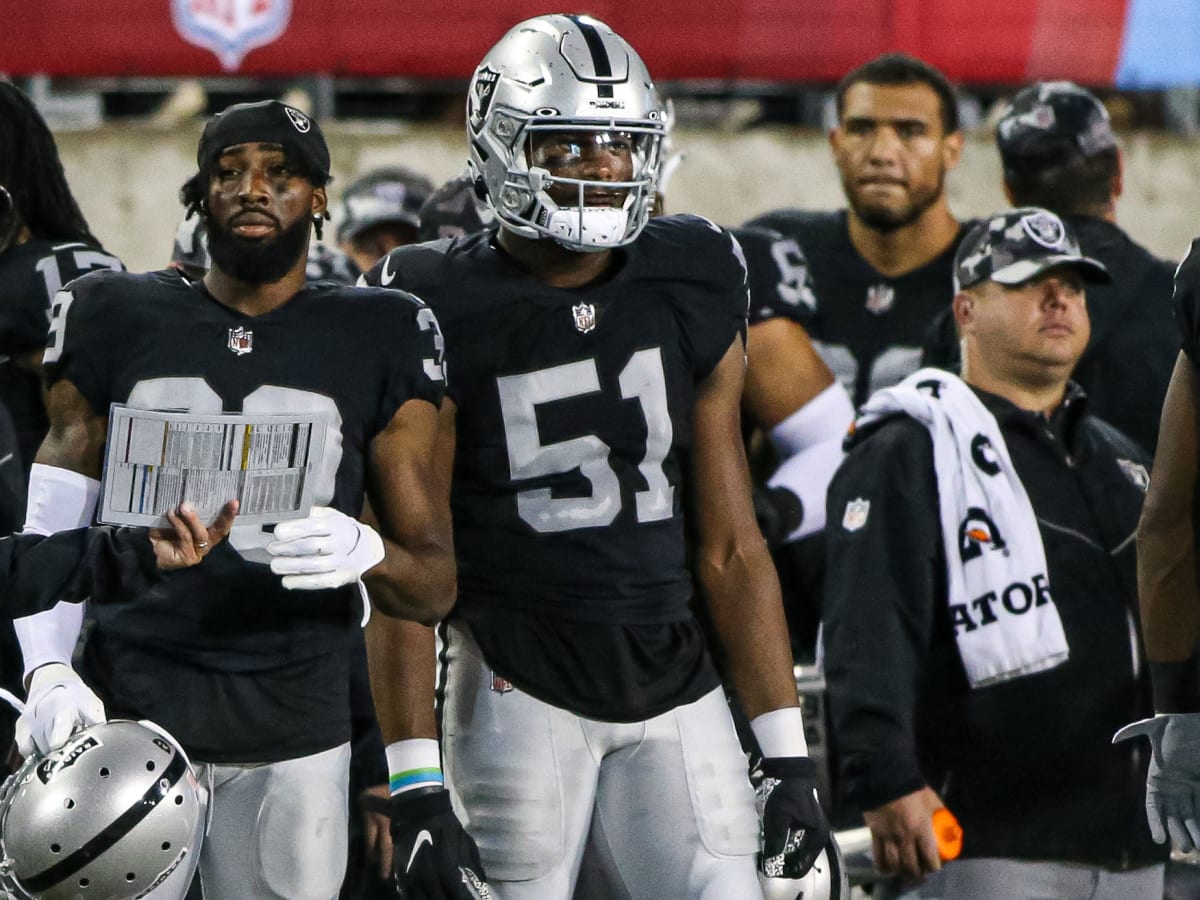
pixel 33 174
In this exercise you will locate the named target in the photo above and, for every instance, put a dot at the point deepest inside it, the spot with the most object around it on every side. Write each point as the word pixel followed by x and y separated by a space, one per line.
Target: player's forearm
pixel 402 662
pixel 414 582
pixel 747 613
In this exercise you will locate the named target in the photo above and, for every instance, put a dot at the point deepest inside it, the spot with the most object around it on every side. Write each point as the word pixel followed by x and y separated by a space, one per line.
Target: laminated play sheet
pixel 156 460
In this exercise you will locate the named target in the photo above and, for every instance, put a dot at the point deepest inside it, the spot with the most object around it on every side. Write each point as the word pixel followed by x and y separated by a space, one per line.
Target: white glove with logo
pixel 326 550
pixel 59 704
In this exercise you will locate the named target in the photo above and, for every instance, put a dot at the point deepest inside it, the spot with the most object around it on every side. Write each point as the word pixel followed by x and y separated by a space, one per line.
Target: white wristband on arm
pixel 810 442
pixel 414 763
pixel 59 500
pixel 825 417
pixel 780 732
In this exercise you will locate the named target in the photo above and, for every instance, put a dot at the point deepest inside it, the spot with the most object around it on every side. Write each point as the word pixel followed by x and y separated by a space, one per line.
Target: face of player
pixel 260 209
pixel 584 155
pixel 1034 330
pixel 892 153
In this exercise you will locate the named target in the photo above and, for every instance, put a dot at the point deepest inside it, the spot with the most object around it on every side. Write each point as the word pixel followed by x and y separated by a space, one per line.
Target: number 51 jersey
pixel 574 428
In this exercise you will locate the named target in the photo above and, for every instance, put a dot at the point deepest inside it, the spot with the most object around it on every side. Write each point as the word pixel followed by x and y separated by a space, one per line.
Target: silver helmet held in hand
pixel 114 813
pixel 826 880
pixel 563 73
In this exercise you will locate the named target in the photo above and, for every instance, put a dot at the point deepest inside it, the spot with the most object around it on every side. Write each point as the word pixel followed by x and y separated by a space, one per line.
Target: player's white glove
pixel 1173 782
pixel 59 704
pixel 325 550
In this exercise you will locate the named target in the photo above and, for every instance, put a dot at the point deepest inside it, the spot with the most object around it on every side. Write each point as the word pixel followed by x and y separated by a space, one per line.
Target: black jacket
pixel 1027 766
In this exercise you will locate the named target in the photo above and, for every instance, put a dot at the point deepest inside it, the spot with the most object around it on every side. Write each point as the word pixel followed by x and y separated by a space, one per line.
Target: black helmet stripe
pixel 600 61
pixel 119 827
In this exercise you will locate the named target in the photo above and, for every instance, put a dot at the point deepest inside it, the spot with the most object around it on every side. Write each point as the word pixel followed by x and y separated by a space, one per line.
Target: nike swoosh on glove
pixel 794 826
pixel 433 858
pixel 327 549
pixel 1173 780
pixel 59 704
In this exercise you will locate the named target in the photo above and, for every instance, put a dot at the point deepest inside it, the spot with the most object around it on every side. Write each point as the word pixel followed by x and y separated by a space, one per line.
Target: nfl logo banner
pixel 230 28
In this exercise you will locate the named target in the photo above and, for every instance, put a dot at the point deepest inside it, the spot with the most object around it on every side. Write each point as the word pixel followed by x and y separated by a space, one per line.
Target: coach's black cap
pixel 1014 246
pixel 1053 122
pixel 268 122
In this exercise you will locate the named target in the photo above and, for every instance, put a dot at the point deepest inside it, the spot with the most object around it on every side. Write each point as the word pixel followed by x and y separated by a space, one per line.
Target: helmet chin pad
pixel 587 228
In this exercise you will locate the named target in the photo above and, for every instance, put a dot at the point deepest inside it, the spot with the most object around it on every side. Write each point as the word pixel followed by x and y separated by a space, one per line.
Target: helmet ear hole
pixel 95 816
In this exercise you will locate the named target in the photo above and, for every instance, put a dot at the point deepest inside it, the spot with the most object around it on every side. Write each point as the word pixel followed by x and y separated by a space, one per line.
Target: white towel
pixel 1004 618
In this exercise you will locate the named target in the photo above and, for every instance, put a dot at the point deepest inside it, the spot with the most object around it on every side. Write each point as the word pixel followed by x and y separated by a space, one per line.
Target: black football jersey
pixel 869 328
pixel 30 275
pixel 1187 302
pixel 267 667
pixel 574 432
pixel 780 283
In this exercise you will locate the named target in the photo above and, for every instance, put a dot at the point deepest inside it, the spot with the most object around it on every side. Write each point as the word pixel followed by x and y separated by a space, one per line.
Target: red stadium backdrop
pixel 973 41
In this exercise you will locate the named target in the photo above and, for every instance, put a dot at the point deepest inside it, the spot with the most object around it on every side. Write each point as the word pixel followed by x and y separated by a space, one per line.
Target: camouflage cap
pixel 1053 122
pixel 1012 247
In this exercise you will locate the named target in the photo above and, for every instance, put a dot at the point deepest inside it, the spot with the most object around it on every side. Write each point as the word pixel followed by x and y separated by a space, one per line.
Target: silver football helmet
pixel 114 813
pixel 566 74
pixel 826 880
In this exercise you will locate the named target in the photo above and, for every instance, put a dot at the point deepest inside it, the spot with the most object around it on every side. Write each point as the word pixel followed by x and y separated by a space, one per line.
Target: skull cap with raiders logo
pixel 267 122
pixel 1014 246
pixel 1053 122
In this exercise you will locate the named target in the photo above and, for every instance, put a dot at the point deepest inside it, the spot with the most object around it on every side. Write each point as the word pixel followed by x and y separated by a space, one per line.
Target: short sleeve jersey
pixel 158 341
pixel 781 285
pixel 574 433
pixel 30 275
pixel 869 328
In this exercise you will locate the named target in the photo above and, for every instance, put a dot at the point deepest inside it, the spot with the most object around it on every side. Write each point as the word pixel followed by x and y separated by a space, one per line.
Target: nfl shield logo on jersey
pixel 230 28
pixel 585 317
pixel 856 514
pixel 880 298
pixel 241 341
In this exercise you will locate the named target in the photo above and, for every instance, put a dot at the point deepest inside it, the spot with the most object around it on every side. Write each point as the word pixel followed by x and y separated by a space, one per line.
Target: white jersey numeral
pixel 641 379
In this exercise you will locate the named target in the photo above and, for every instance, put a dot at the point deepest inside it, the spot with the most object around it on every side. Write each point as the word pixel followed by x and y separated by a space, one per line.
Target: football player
pixel 882 267
pixel 598 359
pixel 249 671
pixel 45 242
pixel 1169 588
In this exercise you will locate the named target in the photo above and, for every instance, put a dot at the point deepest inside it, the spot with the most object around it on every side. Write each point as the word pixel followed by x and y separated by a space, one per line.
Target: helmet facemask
pixel 527 202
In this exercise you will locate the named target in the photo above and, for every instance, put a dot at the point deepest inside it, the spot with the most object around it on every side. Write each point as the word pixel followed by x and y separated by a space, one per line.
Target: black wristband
pixel 789 767
pixel 419 804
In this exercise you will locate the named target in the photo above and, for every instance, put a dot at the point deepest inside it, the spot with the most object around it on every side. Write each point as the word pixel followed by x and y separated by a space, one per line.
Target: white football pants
pixel 277 831
pixel 670 797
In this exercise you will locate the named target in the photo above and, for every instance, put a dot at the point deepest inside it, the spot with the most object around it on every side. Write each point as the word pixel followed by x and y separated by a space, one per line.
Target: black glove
pixel 433 858
pixel 794 827
pixel 778 510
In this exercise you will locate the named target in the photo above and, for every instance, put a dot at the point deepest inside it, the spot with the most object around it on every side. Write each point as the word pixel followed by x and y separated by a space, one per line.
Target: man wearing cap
pixel 980 607
pixel 251 673
pixel 1059 152
pixel 379 212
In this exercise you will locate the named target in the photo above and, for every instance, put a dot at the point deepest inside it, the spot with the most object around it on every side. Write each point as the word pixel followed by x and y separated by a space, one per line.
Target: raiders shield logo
pixel 302 122
pixel 479 99
pixel 1046 229
pixel 241 341
pixel 585 317
pixel 230 28
pixel 855 516
pixel 880 298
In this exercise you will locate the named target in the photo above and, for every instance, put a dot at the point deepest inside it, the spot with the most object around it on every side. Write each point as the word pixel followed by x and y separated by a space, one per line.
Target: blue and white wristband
pixel 412 764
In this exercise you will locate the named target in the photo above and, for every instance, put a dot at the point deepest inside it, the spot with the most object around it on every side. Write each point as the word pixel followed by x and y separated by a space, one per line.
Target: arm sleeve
pixel 884 552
